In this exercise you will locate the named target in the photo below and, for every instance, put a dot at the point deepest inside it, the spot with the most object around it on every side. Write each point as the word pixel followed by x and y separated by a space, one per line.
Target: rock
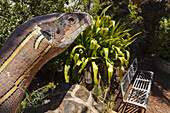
pixel 68 98
pixel 87 80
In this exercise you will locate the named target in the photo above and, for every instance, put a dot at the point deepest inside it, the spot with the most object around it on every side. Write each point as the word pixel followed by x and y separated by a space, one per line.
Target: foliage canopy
pixel 15 12
pixel 161 41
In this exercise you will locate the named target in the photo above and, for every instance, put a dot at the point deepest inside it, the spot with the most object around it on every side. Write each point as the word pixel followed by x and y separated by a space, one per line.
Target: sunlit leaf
pixel 83 65
pixel 121 73
pixel 97 23
pixel 114 28
pixel 128 55
pixel 76 57
pixel 74 49
pixel 130 42
pixel 119 51
pixel 122 60
pixel 66 71
pixel 110 72
pixel 106 53
pixel 104 10
pixel 95 72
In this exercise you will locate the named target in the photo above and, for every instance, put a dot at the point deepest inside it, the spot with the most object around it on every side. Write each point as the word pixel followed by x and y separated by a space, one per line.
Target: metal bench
pixel 136 86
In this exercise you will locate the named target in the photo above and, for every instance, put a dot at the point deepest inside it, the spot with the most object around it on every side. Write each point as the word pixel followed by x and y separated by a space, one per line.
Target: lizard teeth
pixel 73 35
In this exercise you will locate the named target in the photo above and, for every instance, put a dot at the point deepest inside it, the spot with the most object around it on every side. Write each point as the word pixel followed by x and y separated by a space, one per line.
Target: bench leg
pixel 143 110
pixel 125 105
pixel 122 107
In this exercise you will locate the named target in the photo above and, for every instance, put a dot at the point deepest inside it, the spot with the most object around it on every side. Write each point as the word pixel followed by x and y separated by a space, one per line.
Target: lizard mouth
pixel 74 35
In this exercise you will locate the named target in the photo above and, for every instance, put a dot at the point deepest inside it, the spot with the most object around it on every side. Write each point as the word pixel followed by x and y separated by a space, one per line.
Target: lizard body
pixel 29 47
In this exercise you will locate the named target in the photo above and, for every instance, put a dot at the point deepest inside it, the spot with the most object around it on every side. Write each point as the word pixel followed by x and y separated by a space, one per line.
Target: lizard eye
pixel 71 20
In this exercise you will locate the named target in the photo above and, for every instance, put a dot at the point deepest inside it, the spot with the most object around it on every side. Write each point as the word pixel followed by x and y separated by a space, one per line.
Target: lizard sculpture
pixel 29 47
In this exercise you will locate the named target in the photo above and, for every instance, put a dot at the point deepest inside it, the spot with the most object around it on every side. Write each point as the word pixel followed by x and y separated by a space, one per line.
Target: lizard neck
pixel 19 66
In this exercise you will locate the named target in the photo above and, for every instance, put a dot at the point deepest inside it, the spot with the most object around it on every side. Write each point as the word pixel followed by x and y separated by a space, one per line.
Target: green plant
pixel 134 18
pixel 90 6
pixel 103 46
pixel 105 97
pixel 161 41
pixel 15 12
pixel 36 97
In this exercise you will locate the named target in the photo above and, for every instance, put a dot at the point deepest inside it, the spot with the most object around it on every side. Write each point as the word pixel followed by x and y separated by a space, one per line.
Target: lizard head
pixel 63 30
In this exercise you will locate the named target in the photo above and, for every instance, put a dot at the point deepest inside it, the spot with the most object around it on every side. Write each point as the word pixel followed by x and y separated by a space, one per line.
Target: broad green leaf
pixel 78 63
pixel 76 57
pixel 128 43
pixel 104 10
pixel 134 35
pixel 121 73
pixel 116 55
pixel 120 35
pixel 74 72
pixel 121 28
pixel 94 47
pixel 97 23
pixel 105 32
pixel 66 70
pixel 127 30
pixel 114 28
pixel 106 53
pixel 74 49
pixel 101 81
pixel 127 55
pixel 92 44
pixel 129 39
pixel 98 29
pixel 83 65
pixel 119 51
pixel 108 20
pixel 122 60
pixel 112 23
pixel 110 39
pixel 110 72
pixel 95 72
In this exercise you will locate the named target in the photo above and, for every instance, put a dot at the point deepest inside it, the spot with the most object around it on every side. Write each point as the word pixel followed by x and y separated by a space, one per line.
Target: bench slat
pixel 128 77
pixel 140 90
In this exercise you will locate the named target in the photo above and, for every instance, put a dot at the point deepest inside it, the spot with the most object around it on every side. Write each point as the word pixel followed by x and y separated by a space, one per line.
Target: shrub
pixel 36 97
pixel 13 13
pixel 161 42
pixel 103 45
pixel 90 6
